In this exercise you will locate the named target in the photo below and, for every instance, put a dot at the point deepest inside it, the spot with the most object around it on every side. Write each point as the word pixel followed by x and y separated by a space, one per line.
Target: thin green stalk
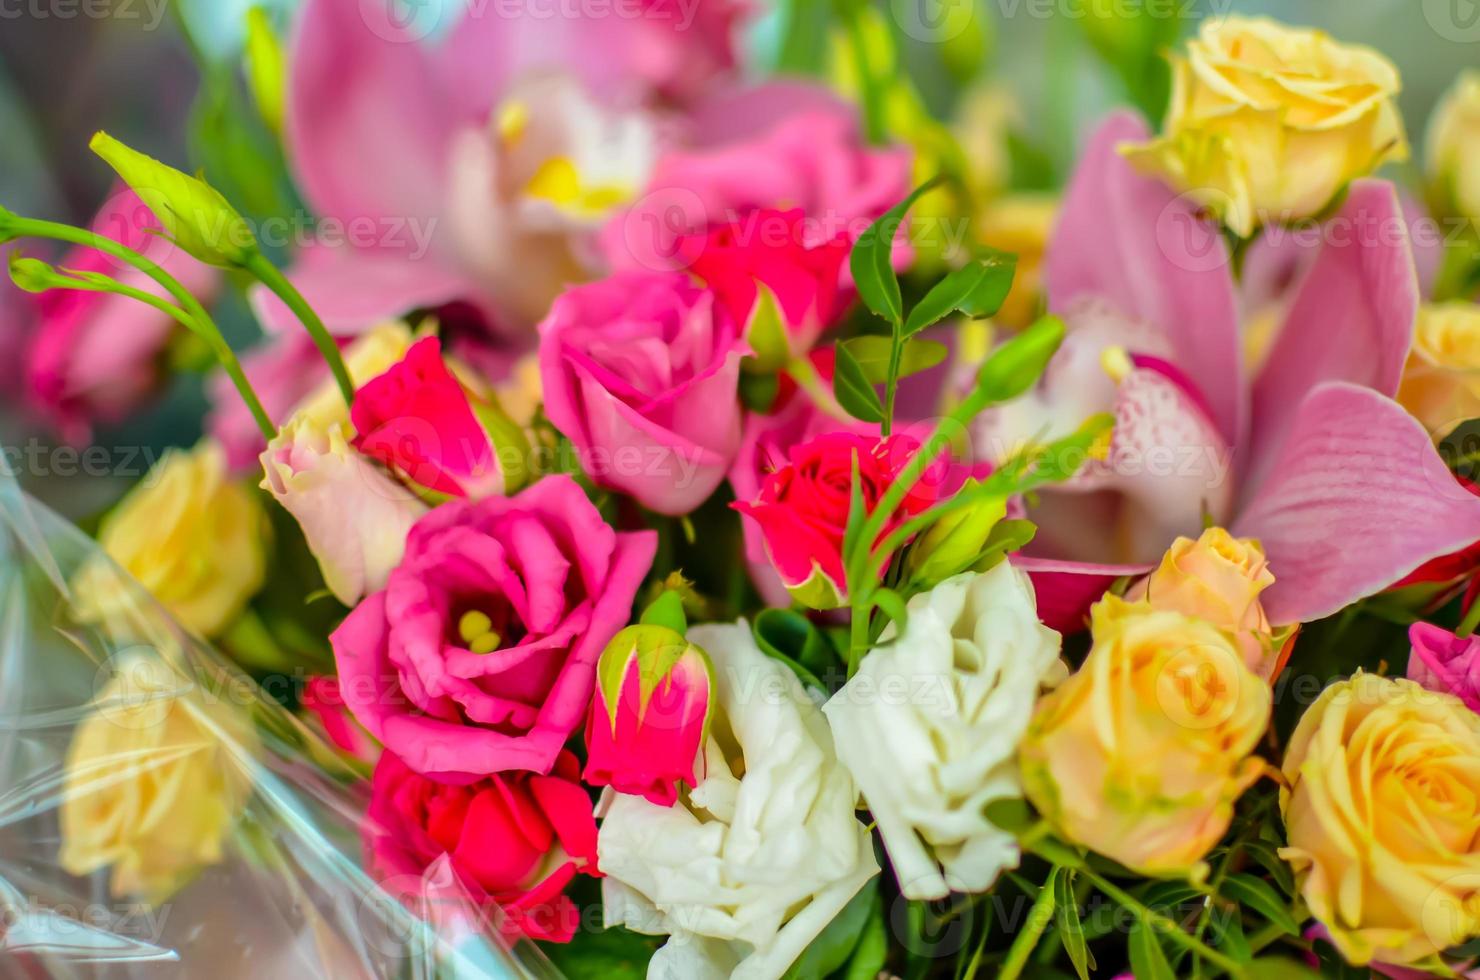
pixel 269 276
pixel 868 85
pixel 198 319
pixel 1163 925
pixel 1039 916
pixel 896 350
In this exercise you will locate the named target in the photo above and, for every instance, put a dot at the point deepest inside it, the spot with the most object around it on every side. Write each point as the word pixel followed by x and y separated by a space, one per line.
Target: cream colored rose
pixel 1217 578
pixel 1382 815
pixel 1453 146
pixel 354 516
pixel 1269 123
pixel 1141 754
pixel 152 784
pixel 930 724
pixel 1020 224
pixel 189 535
pixel 1441 381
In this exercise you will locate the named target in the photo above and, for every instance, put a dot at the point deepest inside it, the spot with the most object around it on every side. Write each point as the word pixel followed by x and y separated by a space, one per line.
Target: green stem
pixel 896 349
pixel 1162 924
pixel 868 85
pixel 269 276
pixel 1039 916
pixel 198 319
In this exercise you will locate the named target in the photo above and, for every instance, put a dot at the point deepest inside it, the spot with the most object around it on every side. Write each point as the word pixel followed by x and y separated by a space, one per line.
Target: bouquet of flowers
pixel 689 526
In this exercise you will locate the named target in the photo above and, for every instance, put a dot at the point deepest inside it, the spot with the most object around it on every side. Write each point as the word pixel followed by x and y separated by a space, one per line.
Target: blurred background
pixel 166 76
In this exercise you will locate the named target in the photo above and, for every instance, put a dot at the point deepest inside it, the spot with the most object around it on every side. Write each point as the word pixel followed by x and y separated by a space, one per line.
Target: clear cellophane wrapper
pixel 161 817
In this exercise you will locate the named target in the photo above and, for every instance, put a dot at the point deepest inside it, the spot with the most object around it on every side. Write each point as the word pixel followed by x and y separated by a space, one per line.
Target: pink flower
pixel 98 356
pixel 766 441
pixel 808 157
pixel 641 372
pixel 325 704
pixel 479 655
pixel 420 421
pixel 802 508
pixel 427 152
pixel 515 840
pixel 650 713
pixel 1443 662
pixel 771 250
pixel 1306 452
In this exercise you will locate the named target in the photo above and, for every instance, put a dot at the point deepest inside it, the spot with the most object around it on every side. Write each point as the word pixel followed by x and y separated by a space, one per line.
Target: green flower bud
pixel 195 216
pixel 955 542
pixel 1017 365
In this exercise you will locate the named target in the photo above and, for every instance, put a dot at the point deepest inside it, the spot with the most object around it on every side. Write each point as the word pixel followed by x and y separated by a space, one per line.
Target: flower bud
pixel 195 216
pixel 1453 142
pixel 650 716
pixel 952 544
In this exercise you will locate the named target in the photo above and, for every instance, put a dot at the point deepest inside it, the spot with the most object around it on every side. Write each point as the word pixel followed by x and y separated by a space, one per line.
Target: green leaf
pixel 835 944
pixel 872 950
pixel 852 389
pixel 611 954
pixel 976 289
pixel 1259 896
pixel 871 351
pixel 1148 959
pixel 1280 968
pixel 857 515
pixel 1269 858
pixel 790 637
pixel 1071 927
pixel 1017 365
pixel 1228 926
pixel 870 261
pixel 1011 815
pixel 1061 459
pixel 1039 917
pixel 894 607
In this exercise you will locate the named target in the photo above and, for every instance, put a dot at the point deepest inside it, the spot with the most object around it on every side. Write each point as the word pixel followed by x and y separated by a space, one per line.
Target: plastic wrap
pixel 160 817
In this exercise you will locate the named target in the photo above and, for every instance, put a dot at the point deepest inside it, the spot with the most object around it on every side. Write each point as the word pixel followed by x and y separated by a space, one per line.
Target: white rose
pixel 744 872
pixel 929 727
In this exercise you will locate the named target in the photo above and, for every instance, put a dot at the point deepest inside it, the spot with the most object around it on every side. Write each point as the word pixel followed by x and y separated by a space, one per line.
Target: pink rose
pixel 650 714
pixel 813 160
pixel 515 840
pixel 480 653
pixel 764 447
pixel 420 421
pixel 802 508
pixel 641 372
pixel 98 356
pixel 774 250
pixel 1443 662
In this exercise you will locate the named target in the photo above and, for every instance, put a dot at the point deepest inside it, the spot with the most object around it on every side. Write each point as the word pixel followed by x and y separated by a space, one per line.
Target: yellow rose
pixel 1217 578
pixel 1269 122
pixel 1454 145
pixel 189 535
pixel 1441 381
pixel 1381 816
pixel 151 785
pixel 1141 754
pixel 1021 224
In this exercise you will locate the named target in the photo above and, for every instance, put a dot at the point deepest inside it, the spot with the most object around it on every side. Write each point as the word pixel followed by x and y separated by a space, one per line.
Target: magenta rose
pixel 778 251
pixel 515 840
pixel 641 372
pixel 480 653
pixel 802 507
pixel 1443 662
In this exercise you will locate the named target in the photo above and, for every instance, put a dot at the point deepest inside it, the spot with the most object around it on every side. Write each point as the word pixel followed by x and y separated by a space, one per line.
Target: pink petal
pixel 367 123
pixel 354 289
pixel 1132 241
pixel 1356 499
pixel 1351 319
pixel 1066 589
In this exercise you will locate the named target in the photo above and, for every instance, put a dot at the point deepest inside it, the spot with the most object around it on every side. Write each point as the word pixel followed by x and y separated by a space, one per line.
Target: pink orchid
pixel 1310 455
pixel 97 356
pixel 431 154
